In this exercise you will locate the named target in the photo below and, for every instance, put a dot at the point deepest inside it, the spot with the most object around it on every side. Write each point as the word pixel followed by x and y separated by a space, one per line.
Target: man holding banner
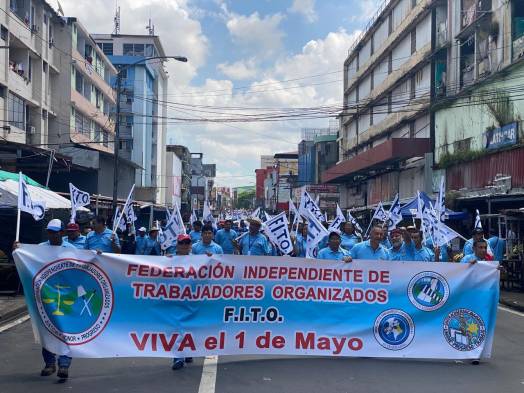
pixel 254 243
pixel 333 251
pixel 74 237
pixel 348 237
pixel 206 245
pixel 371 249
pixel 102 239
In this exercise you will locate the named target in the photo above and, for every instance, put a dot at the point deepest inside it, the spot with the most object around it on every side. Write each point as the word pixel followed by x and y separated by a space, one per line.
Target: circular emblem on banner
pixel 74 299
pixel 428 291
pixel 394 329
pixel 464 330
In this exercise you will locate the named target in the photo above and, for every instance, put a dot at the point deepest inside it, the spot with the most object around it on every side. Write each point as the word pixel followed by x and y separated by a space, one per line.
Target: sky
pixel 242 54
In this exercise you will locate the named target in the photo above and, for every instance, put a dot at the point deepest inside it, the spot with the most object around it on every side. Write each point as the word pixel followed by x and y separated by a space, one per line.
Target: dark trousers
pixel 50 359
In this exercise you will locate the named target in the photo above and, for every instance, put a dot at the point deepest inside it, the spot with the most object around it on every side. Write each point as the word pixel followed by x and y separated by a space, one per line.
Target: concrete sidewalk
pixel 11 307
pixel 514 300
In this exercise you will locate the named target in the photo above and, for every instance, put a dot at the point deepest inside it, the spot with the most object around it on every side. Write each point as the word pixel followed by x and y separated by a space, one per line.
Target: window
pixel 107 48
pixel 45 18
pixel 44 67
pixel 139 49
pixel 16 111
pixel 98 133
pixel 128 50
pixel 105 136
pixel 123 73
pixel 150 50
pixel 4 33
pixel 30 68
pixel 98 98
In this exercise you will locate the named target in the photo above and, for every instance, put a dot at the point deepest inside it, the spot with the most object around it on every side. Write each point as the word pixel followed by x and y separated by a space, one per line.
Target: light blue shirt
pixel 141 245
pixel 328 253
pixel 323 243
pixel 102 242
pixel 225 240
pixel 152 246
pixel 364 250
pixel 468 258
pixel 195 236
pixel 468 247
pixel 422 254
pixel 201 248
pixel 64 244
pixel 254 245
pixel 398 255
pixel 79 242
pixel 348 241
pixel 301 246
pixel 498 246
pixel 386 243
pixel 443 250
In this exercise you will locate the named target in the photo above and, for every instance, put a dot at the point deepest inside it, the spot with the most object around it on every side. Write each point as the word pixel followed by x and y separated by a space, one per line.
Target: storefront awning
pixel 378 157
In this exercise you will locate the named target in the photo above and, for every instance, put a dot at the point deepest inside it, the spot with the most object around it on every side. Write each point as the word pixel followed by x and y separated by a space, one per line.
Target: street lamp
pixel 117 113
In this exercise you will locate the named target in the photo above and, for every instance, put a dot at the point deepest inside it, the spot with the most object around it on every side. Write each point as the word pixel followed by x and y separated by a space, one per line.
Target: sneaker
pixel 189 360
pixel 48 370
pixel 177 364
pixel 63 373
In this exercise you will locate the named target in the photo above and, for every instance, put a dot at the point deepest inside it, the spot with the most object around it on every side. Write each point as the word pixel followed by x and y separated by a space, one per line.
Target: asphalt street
pixel 504 373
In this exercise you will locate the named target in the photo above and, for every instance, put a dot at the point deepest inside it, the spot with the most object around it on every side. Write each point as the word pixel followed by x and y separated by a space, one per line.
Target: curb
pixel 511 304
pixel 13 314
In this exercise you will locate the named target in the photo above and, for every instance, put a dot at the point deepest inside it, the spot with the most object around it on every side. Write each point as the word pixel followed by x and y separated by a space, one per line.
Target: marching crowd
pixel 239 237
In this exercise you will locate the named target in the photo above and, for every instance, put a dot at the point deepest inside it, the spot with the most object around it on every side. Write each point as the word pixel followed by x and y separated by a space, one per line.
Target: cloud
pixel 239 70
pixel 306 8
pixel 261 36
pixel 170 17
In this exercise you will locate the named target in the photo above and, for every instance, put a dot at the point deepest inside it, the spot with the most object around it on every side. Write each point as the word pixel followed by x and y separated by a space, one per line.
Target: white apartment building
pixel 386 132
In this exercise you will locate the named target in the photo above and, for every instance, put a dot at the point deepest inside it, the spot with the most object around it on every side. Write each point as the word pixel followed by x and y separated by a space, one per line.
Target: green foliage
pixel 450 159
pixel 245 200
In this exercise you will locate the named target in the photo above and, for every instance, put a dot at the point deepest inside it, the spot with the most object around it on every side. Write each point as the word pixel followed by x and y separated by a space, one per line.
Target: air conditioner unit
pixel 31 130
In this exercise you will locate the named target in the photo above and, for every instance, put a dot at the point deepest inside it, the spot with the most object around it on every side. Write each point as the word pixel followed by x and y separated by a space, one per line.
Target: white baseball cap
pixel 142 229
pixel 55 225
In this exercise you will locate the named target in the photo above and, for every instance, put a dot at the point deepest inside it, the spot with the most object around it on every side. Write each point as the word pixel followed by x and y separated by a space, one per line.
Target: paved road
pixel 20 364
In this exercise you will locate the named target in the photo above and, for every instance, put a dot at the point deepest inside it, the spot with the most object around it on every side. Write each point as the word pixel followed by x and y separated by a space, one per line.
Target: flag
pixel 426 217
pixel 478 222
pixel 315 233
pixel 26 204
pixel 441 203
pixel 353 220
pixel 174 227
pixel 293 209
pixel 128 200
pixel 194 217
pixel 339 219
pixel 79 198
pixel 307 205
pixel 278 232
pixel 394 215
pixel 380 214
pixel 255 214
pixel 207 215
pixel 268 217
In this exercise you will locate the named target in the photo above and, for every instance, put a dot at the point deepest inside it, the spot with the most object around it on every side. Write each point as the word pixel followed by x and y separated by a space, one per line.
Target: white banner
pixel 277 230
pixel 308 205
pixel 339 219
pixel 79 198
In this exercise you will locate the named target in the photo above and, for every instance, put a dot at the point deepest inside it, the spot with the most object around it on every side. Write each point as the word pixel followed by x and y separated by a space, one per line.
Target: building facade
pixel 386 129
pixel 286 165
pixel 143 104
pixel 183 154
pixel 478 118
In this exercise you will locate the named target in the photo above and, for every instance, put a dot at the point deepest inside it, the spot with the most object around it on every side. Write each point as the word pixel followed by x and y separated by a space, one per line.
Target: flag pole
pixel 18 226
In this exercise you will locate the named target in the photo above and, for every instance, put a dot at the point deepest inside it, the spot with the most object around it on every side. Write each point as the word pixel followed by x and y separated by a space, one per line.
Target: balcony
pixel 20 84
pixel 376 158
pixel 90 110
pixel 89 72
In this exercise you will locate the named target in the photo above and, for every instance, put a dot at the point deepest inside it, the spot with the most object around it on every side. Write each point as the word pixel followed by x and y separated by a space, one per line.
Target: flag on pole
pixel 194 217
pixel 256 213
pixel 278 232
pixel 293 209
pixel 478 222
pixel 268 217
pixel 353 220
pixel 379 214
pixel 174 227
pixel 315 233
pixel 308 205
pixel 128 201
pixel 339 219
pixel 26 204
pixel 79 198
pixel 441 203
pixel 207 215
pixel 394 215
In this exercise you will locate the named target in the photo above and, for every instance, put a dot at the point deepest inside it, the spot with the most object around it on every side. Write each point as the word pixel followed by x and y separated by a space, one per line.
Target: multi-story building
pixel 386 131
pixel 183 154
pixel 30 65
pixel 142 106
pixel 317 151
pixel 86 102
pixel 478 117
pixel 286 165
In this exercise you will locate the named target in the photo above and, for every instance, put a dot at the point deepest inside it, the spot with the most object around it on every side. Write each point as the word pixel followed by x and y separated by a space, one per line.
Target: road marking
pixel 209 375
pixel 14 323
pixel 520 314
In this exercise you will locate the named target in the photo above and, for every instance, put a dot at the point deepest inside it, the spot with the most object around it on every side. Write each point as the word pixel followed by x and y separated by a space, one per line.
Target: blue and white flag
pixel 194 217
pixel 353 220
pixel 174 227
pixel 478 222
pixel 315 233
pixel 394 214
pixel 339 219
pixel 441 202
pixel 278 232
pixel 79 198
pixel 309 206
pixel 26 204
